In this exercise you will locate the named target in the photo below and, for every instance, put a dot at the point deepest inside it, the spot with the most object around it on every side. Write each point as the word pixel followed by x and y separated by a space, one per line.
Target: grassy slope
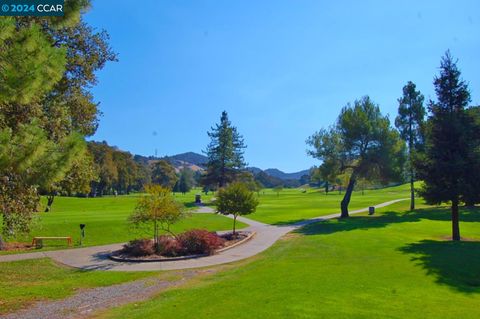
pixel 106 220
pixel 292 205
pixel 27 281
pixel 392 265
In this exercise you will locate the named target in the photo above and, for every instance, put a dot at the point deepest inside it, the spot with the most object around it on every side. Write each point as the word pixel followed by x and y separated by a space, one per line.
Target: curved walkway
pixel 96 257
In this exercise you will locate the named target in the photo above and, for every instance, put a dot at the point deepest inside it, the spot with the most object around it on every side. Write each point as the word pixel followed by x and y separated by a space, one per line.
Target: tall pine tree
pixel 225 153
pixel 410 123
pixel 445 166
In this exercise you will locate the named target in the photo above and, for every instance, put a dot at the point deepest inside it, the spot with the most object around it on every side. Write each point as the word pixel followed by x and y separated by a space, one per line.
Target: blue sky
pixel 281 69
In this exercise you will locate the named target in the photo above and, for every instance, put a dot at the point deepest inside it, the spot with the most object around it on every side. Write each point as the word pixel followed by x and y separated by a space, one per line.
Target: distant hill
pixel 286 176
pixel 197 162
pixel 189 157
pixel 254 170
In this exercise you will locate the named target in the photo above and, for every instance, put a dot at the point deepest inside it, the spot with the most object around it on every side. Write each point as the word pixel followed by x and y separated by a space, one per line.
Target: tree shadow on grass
pixel 352 223
pixel 456 264
pixel 381 220
pixel 444 214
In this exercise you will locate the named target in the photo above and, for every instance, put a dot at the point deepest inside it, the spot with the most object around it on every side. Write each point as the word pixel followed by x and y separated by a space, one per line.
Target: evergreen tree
pixel 361 145
pixel 471 195
pixel 186 181
pixel 225 153
pixel 446 165
pixel 48 68
pixel 28 160
pixel 410 123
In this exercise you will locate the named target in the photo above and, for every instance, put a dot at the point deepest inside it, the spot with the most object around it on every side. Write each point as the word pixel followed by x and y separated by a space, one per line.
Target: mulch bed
pixel 14 246
pixel 229 241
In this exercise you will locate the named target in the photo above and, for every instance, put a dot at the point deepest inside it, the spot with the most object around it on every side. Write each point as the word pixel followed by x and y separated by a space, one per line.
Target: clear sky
pixel 281 69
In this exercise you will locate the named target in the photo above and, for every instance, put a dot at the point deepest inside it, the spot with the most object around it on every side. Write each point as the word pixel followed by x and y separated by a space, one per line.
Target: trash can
pixel 198 199
pixel 371 210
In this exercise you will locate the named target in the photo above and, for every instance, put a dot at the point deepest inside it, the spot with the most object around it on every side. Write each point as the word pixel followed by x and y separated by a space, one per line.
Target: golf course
pixel 239 159
pixel 369 264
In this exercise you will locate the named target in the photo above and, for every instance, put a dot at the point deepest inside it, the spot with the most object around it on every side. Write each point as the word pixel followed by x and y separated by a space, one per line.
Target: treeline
pixel 112 171
pixel 116 171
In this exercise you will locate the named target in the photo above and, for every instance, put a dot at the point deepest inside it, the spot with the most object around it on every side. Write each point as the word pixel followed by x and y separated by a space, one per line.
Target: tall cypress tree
pixel 445 167
pixel 225 153
pixel 410 123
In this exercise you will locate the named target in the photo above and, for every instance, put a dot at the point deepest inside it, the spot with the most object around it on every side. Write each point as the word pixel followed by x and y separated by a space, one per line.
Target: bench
pixel 38 241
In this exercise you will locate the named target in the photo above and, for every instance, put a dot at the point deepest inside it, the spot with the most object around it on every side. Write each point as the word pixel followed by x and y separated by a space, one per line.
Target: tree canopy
pixel 159 209
pixel 362 143
pixel 411 124
pixel 163 173
pixel 46 105
pixel 451 153
pixel 225 153
pixel 236 199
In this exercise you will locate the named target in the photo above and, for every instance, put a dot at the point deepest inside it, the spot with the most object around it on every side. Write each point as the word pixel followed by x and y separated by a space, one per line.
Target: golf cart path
pixel 96 257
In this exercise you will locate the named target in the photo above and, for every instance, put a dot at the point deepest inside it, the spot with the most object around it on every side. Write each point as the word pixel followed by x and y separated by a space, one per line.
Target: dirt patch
pixel 449 238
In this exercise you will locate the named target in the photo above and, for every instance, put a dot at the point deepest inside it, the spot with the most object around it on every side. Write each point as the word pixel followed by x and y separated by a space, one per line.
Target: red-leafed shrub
pixel 139 247
pixel 169 246
pixel 199 241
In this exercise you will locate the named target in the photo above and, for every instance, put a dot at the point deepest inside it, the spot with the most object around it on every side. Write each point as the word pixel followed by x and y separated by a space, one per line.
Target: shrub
pixel 199 241
pixel 169 246
pixel 139 247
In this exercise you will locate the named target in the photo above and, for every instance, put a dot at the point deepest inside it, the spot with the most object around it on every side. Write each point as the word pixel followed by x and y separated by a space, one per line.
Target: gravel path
pixel 85 303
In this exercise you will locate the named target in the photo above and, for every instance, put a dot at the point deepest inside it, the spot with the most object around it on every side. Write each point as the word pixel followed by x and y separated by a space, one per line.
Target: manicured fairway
pixel 392 265
pixel 291 205
pixel 106 220
pixel 106 217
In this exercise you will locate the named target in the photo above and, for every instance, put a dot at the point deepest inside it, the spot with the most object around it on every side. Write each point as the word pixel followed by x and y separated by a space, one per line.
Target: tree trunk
pixel 455 221
pixel 234 221
pixel 155 237
pixel 2 243
pixel 50 199
pixel 326 188
pixel 347 196
pixel 410 159
pixel 412 192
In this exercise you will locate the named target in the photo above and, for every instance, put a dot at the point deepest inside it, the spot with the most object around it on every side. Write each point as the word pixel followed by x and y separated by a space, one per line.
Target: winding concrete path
pixel 96 257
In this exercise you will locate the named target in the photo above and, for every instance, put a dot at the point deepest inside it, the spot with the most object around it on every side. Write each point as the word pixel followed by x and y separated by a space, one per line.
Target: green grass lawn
pixel 106 220
pixel 25 282
pixel 394 264
pixel 106 217
pixel 291 205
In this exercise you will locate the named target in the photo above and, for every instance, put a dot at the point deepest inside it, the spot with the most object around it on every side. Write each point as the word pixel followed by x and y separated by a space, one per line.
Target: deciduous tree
pixel 159 208
pixel 163 173
pixel 236 199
